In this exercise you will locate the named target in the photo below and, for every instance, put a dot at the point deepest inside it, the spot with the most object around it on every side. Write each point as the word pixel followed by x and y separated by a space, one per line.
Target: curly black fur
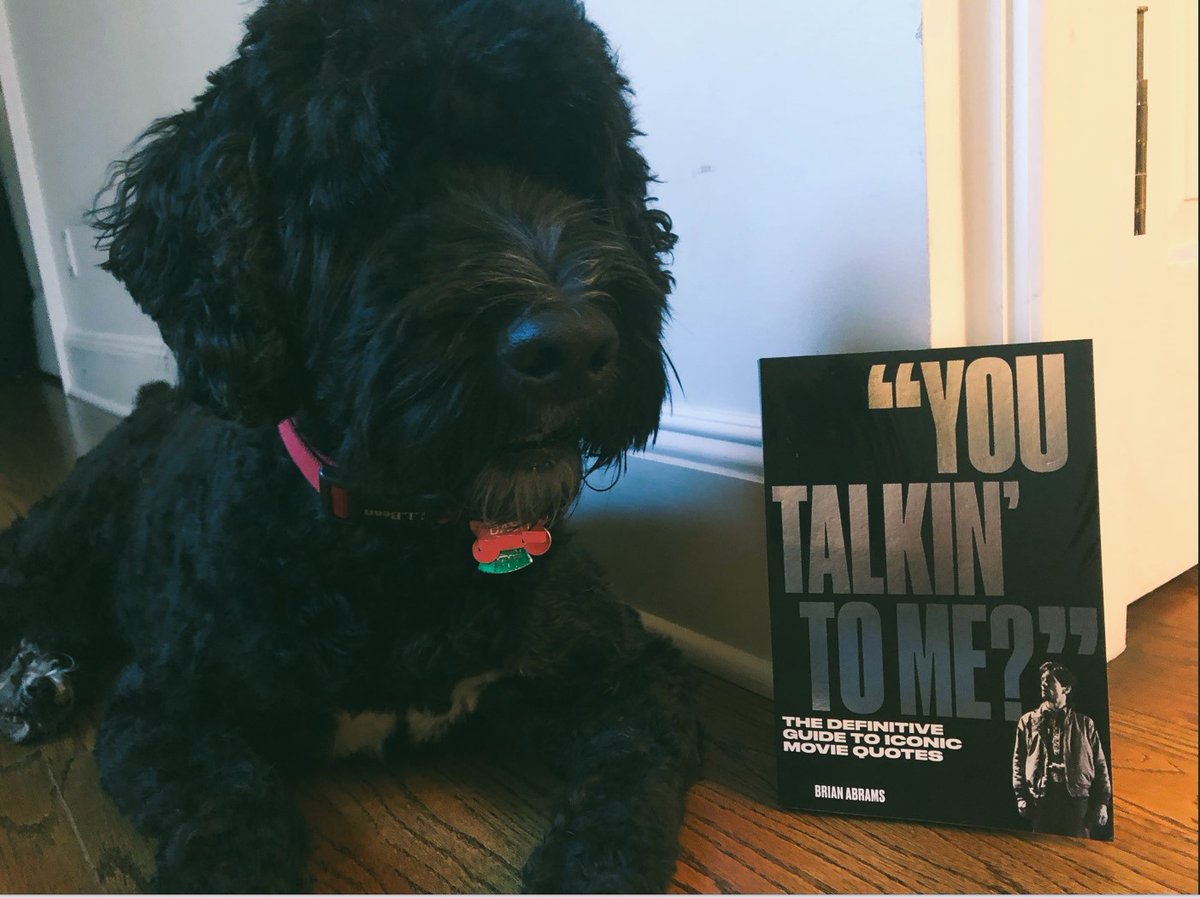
pixel 357 225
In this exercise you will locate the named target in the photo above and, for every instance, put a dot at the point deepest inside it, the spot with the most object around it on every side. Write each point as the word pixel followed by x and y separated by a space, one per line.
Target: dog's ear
pixel 188 232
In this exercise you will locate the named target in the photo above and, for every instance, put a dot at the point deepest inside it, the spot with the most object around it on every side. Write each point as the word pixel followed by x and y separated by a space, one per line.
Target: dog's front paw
pixel 235 848
pixel 601 857
pixel 36 695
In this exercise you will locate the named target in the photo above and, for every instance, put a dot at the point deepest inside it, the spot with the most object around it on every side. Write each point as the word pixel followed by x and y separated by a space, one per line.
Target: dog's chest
pixel 368 732
pixel 406 659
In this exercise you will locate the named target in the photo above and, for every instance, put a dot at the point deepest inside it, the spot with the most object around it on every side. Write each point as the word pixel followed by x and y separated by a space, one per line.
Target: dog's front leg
pixel 221 816
pixel 612 708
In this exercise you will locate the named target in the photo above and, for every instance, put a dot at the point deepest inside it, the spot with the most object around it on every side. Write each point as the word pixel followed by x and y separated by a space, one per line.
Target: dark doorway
pixel 17 358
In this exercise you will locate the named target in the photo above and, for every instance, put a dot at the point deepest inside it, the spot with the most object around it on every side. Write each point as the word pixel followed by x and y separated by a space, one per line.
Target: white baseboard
pixel 43 337
pixel 724 444
pixel 738 667
pixel 715 441
pixel 107 369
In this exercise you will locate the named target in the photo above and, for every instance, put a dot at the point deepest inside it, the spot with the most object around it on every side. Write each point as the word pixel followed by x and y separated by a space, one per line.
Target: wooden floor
pixel 465 824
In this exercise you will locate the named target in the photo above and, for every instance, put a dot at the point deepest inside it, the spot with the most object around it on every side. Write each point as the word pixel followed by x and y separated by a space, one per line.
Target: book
pixel 937 613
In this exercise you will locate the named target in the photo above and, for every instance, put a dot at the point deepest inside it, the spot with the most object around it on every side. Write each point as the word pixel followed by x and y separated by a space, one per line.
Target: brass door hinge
pixel 1143 109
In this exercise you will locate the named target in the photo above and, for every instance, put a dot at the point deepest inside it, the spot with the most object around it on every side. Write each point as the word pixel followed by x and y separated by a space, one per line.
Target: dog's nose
pixel 565 349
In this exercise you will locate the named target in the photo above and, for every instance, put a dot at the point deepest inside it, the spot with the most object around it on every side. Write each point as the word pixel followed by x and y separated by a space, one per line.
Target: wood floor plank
pixel 41 435
pixel 445 826
pixel 39 848
pixel 122 860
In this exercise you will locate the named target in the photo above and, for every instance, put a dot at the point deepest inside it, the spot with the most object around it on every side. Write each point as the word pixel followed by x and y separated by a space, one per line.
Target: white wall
pixel 789 137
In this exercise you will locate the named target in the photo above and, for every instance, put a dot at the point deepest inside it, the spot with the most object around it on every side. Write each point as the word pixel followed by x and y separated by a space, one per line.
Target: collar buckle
pixel 336 500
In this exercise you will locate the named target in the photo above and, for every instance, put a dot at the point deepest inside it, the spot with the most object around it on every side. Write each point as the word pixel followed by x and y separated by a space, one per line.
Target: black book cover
pixel 937 616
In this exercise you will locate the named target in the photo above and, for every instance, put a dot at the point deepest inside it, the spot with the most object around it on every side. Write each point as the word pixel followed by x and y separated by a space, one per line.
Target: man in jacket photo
pixel 1060 772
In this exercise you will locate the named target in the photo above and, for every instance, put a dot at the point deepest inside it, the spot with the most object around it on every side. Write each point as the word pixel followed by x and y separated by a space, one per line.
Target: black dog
pixel 415 232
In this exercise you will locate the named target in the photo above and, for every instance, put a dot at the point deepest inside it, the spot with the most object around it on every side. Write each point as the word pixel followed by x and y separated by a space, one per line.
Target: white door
pixel 1032 111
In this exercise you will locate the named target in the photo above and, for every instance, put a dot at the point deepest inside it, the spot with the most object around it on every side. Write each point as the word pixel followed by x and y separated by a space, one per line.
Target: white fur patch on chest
pixel 424 726
pixel 363 734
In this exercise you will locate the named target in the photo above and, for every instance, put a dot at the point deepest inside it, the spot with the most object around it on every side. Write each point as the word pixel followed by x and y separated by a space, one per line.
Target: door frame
pixel 29 209
pixel 983 112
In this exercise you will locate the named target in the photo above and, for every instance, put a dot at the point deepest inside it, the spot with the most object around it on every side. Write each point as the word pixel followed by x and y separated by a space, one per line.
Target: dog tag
pixel 506 562
pixel 502 548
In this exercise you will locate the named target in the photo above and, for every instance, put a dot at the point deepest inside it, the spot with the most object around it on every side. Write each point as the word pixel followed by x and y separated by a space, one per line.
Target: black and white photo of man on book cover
pixel 1060 773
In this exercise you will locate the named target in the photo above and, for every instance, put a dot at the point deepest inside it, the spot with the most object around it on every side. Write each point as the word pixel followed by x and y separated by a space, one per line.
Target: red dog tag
pixel 493 539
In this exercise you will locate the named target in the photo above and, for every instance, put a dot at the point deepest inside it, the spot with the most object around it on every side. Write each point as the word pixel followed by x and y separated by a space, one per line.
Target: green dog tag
pixel 508 561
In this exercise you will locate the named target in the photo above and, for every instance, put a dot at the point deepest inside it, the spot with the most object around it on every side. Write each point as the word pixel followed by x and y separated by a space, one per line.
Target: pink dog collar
pixel 336 496
pixel 499 548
